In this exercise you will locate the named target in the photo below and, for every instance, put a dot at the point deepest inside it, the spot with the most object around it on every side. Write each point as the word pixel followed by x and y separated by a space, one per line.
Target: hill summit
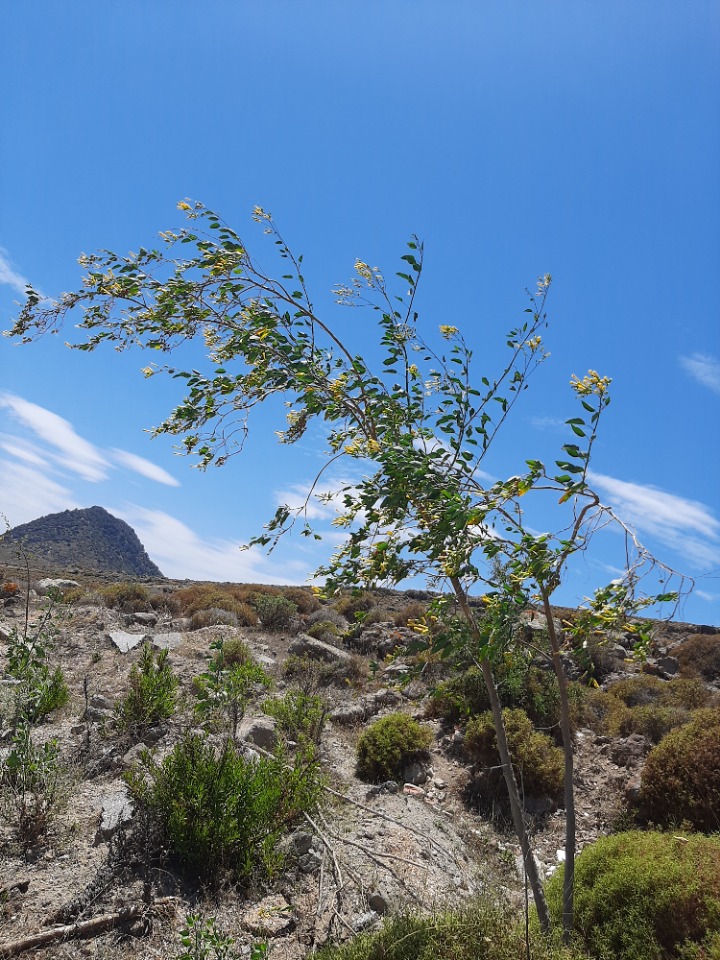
pixel 91 540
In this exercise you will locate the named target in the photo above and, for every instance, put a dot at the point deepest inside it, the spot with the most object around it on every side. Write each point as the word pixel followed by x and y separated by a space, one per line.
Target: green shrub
pixel 33 786
pixel 359 601
pixel 127 597
pixel 700 656
pixel 275 612
pixel 230 681
pixel 645 896
pixel 219 812
pixel 389 745
pixel 151 697
pixel 520 685
pixel 299 715
pixel 213 617
pixel 233 599
pixel 40 689
pixel 644 704
pixel 480 930
pixel 537 762
pixel 681 776
pixel 323 630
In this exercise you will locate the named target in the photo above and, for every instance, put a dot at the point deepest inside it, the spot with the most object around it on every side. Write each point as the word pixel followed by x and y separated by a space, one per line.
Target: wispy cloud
pixel 9 275
pixel 181 553
pixel 28 493
pixel 144 467
pixel 703 368
pixel 687 526
pixel 72 451
pixel 550 424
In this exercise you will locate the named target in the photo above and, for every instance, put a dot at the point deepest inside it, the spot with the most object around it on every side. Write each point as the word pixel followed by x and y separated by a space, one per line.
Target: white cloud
pixel 28 493
pixel 687 526
pixel 21 449
pixel 144 467
pixel 10 276
pixel 553 424
pixel 181 553
pixel 703 368
pixel 74 453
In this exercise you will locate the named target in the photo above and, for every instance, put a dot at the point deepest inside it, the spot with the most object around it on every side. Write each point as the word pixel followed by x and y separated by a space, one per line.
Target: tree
pixel 420 422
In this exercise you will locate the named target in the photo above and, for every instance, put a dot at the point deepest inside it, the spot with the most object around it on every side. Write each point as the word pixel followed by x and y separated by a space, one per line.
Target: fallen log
pixel 71 931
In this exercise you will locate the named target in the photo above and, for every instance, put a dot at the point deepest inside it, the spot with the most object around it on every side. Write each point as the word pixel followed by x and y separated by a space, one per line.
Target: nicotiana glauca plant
pixel 421 423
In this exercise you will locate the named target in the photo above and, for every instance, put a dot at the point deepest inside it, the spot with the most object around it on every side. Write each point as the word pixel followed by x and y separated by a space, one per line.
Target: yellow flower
pixel 448 331
pixel 183 205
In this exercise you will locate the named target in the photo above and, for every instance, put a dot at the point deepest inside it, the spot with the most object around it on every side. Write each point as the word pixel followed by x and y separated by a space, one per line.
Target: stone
pixel 125 641
pixel 49 583
pixel 309 862
pixel 348 714
pixel 299 843
pixel 117 809
pixel 262 731
pixel 628 750
pixel 145 619
pixel 415 773
pixel 272 917
pixel 305 646
pixel 99 702
pixel 411 790
pixel 378 901
pixel 166 641
pixel 668 667
pixel 632 789
pixel 364 920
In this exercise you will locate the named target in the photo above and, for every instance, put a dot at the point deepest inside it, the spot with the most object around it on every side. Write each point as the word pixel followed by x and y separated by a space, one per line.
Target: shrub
pixel 229 682
pixel 40 689
pixel 127 597
pixel 480 930
pixel 33 786
pixel 645 896
pixel 412 611
pixel 359 601
pixel 299 715
pixel 312 675
pixel 213 617
pixel 220 812
pixel 389 745
pixel 323 630
pixel 275 612
pixel 303 598
pixel 537 762
pixel 700 656
pixel 681 776
pixel 210 596
pixel 646 705
pixel 151 697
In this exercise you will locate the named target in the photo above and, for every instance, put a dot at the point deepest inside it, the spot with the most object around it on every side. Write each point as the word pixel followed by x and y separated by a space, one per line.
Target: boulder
pixel 305 646
pixel 262 731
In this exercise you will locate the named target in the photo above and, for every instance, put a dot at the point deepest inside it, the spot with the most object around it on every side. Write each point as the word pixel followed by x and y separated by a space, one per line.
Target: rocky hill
pixel 90 540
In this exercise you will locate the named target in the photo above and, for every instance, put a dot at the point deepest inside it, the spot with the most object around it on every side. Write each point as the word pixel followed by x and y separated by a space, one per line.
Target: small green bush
pixel 537 762
pixel 231 652
pixel 151 697
pixel 681 777
pixel 34 786
pixel 645 896
pixel 231 680
pixel 360 601
pixel 389 745
pixel 41 689
pixel 480 930
pixel 219 812
pixel 323 630
pixel 299 715
pixel 275 612
pixel 312 675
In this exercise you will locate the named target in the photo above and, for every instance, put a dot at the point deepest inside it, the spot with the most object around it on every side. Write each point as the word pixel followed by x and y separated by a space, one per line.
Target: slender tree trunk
pixel 529 862
pixel 567 739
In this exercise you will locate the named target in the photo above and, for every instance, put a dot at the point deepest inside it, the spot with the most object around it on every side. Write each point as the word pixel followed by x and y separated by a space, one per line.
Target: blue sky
pixel 516 139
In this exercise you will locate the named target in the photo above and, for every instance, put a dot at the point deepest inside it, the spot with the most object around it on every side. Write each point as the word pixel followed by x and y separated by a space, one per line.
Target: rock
pixel 97 716
pixel 272 917
pixel 133 755
pixel 125 641
pixel 47 584
pixel 309 862
pixel 411 790
pixel 538 806
pixel 348 714
pixel 632 789
pixel 628 750
pixel 440 784
pixel 117 809
pixel 99 702
pixel 262 731
pixel 416 773
pixel 145 619
pixel 166 641
pixel 364 921
pixel 305 646
pixel 378 901
pixel 668 667
pixel 298 843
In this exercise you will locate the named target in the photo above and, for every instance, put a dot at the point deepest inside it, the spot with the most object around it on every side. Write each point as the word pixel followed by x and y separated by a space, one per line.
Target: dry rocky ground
pixel 366 851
